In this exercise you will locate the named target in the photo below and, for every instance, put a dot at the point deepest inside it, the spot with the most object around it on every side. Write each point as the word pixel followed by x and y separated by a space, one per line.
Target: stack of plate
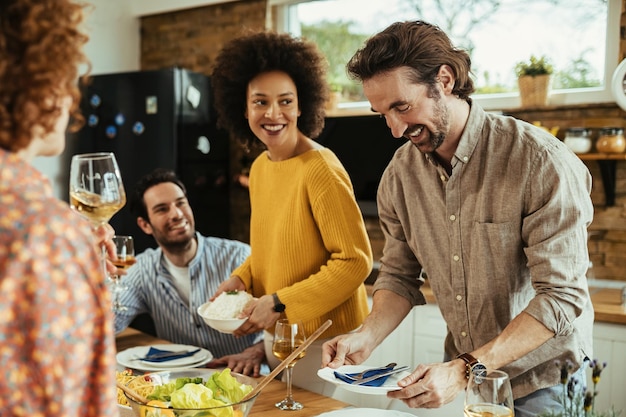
pixel 130 358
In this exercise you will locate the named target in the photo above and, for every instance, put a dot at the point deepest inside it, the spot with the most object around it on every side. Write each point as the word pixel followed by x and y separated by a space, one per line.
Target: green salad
pixel 220 390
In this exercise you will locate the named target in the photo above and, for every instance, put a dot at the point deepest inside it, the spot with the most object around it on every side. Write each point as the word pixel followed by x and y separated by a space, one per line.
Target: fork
pixel 361 375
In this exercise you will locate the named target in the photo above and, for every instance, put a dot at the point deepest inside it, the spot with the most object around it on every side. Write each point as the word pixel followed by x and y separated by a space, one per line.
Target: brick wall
pixel 191 39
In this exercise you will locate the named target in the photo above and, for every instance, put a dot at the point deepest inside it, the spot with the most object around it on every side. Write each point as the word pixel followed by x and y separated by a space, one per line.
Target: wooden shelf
pixel 608 170
pixel 602 156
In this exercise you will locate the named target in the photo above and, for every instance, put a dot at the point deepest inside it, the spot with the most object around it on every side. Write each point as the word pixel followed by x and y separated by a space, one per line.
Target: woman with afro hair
pixel 310 250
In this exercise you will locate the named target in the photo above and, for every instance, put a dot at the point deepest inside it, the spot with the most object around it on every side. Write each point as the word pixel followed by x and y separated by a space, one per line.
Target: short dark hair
pixel 420 46
pixel 243 58
pixel 137 204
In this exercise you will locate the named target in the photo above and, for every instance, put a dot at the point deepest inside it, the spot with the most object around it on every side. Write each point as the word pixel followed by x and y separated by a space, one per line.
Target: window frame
pixel 278 19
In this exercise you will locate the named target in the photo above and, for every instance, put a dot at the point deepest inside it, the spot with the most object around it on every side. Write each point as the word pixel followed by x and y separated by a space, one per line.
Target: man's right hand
pixel 347 349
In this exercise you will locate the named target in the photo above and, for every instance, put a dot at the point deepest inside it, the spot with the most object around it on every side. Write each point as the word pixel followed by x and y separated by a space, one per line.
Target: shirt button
pixel 459 298
pixel 465 158
pixel 456 257
pixel 452 217
pixel 463 334
pixel 443 178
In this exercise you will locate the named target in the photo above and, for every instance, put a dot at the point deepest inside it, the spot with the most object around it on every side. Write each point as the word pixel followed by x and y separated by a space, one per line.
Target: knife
pixel 165 355
pixel 375 377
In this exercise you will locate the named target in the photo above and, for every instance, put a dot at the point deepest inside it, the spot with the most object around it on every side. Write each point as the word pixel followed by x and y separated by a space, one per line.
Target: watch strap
pixel 278 306
pixel 470 362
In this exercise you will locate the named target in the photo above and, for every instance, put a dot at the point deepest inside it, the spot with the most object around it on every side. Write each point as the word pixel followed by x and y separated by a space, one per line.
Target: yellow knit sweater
pixel 308 240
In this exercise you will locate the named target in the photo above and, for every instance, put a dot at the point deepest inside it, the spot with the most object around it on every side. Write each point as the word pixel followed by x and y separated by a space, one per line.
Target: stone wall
pixel 191 39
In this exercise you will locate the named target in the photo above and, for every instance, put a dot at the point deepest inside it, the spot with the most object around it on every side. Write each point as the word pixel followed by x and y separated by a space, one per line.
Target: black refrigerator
pixel 161 118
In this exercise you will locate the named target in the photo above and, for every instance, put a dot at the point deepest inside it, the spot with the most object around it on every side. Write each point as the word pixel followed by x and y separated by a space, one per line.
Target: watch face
pixel 279 308
pixel 480 372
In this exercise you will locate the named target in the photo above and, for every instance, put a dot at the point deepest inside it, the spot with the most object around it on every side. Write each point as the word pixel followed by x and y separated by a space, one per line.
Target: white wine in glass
pixel 96 189
pixel 125 250
pixel 489 394
pixel 287 338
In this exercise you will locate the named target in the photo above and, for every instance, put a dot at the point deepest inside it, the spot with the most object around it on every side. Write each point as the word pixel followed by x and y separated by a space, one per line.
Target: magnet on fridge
pixel 95 101
pixel 193 96
pixel 92 120
pixel 119 119
pixel 151 105
pixel 203 145
pixel 138 128
pixel 110 132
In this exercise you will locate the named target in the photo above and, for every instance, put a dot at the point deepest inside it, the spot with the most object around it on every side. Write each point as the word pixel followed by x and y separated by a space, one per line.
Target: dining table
pixel 314 404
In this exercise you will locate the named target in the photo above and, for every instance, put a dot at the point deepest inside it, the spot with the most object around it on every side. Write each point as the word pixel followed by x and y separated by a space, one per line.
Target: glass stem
pixel 103 256
pixel 288 376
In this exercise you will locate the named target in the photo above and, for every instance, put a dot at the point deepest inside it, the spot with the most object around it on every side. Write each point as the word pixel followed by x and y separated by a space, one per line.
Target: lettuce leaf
pixel 194 396
pixel 226 388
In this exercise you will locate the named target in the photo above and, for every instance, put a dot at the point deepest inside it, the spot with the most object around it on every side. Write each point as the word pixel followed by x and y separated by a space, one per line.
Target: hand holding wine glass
pixel 489 394
pixel 287 338
pixel 96 189
pixel 125 251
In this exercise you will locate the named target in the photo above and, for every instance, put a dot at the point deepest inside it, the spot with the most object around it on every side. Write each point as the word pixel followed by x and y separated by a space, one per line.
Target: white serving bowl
pixel 221 325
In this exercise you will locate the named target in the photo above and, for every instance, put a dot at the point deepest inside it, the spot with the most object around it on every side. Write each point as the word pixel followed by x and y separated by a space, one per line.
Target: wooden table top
pixel 314 404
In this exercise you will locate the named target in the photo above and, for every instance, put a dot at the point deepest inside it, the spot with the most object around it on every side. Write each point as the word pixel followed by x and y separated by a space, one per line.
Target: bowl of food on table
pixel 222 314
pixel 191 393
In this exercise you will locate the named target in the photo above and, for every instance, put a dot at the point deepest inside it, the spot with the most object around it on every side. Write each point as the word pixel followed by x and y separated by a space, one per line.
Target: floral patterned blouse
pixel 57 346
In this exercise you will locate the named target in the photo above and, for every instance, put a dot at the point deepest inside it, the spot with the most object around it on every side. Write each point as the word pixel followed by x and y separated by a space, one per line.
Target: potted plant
pixel 533 77
pixel 334 97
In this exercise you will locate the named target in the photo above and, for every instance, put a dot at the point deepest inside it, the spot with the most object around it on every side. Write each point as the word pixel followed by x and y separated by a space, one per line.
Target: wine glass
pixel 96 189
pixel 125 250
pixel 489 394
pixel 287 338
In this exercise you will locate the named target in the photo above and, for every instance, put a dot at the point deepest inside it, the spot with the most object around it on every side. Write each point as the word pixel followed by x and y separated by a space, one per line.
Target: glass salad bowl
pixel 192 393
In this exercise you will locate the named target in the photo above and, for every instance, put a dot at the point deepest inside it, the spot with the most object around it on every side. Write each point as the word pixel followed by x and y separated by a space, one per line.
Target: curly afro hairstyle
pixel 40 51
pixel 245 57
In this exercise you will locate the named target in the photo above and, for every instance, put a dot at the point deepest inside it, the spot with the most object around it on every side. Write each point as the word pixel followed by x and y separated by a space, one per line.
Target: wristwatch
pixel 472 365
pixel 278 306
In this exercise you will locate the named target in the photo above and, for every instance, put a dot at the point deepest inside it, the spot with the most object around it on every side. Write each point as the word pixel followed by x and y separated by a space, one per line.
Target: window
pixel 579 37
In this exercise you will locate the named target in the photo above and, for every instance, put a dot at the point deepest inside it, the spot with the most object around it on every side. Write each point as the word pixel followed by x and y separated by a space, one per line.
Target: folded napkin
pixel 158 352
pixel 374 383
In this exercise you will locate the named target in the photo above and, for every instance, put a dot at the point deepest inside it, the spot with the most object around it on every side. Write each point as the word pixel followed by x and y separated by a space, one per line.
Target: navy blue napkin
pixel 375 383
pixel 154 351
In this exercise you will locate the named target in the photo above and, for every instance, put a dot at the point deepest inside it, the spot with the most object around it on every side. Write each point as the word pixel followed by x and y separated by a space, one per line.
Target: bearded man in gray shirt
pixel 493 209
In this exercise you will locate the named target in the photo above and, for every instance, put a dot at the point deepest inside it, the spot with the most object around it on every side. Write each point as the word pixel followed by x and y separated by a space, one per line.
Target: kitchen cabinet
pixel 608 170
pixel 609 345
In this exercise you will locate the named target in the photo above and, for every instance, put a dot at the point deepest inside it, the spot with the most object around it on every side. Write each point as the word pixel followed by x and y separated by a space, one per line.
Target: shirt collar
pixel 471 133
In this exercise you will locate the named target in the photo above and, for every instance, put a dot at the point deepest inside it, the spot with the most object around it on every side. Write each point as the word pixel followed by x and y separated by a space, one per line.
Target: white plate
pixel 125 358
pixel 391 384
pixel 365 412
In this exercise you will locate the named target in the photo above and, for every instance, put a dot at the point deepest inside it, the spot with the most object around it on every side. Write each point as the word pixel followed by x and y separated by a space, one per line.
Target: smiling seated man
pixel 172 281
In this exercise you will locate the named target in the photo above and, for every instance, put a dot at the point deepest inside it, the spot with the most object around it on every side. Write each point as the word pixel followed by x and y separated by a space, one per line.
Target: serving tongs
pixel 132 393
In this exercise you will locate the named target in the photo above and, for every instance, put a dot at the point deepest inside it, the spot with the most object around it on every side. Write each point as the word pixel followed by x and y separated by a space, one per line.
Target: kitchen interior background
pixel 153 34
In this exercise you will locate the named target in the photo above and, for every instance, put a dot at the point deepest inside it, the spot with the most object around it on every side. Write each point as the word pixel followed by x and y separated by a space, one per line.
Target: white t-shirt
pixel 182 279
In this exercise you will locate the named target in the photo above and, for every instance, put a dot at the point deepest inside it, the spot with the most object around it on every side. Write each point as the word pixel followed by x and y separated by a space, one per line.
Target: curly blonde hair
pixel 253 53
pixel 40 52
